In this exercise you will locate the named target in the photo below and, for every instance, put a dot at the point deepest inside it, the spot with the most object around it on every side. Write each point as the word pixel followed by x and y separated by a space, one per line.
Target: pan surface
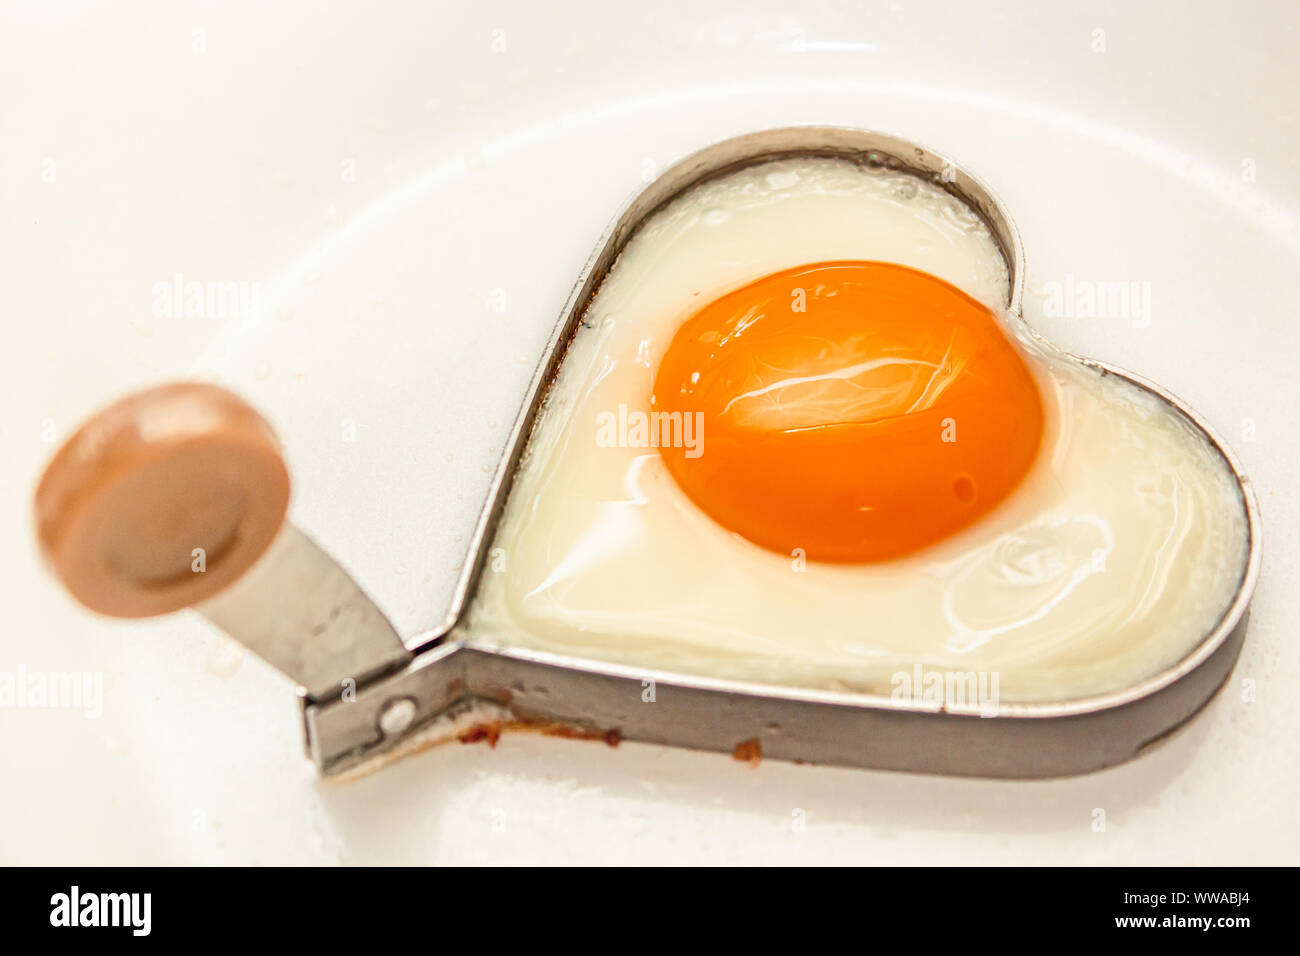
pixel 410 203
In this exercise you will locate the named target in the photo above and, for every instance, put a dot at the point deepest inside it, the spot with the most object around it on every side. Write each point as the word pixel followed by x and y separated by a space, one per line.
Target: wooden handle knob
pixel 161 500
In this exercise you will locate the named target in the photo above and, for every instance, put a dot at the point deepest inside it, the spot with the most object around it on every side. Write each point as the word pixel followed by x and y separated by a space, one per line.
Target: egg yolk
pixel 847 411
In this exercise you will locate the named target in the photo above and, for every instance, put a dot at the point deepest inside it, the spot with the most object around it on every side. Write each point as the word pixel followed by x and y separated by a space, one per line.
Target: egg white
pixel 1117 554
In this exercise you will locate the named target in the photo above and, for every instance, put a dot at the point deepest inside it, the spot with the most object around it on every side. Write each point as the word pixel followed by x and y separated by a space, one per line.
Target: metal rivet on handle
pixel 397 716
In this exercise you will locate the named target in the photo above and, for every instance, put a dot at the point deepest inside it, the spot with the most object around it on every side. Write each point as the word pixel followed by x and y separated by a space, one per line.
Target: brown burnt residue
pixel 612 738
pixel 491 731
pixel 749 751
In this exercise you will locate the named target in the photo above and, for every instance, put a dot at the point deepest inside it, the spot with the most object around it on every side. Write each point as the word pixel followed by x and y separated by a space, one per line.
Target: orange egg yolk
pixel 848 411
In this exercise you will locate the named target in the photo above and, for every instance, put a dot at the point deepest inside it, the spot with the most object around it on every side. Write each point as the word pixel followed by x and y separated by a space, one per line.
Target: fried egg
pixel 799 440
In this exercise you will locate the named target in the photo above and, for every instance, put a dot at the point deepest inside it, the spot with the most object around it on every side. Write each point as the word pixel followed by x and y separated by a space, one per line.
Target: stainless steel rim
pixel 753 148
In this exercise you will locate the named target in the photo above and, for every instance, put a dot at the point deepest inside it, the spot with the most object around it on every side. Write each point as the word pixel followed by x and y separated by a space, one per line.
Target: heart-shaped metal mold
pixel 456 666
pixel 367 696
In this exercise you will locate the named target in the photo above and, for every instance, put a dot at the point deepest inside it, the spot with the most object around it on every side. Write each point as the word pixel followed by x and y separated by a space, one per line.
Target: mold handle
pixel 176 497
